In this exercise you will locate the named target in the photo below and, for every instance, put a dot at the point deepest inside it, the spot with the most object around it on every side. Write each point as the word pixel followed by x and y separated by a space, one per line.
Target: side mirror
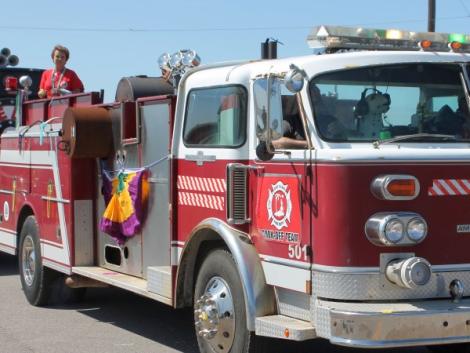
pixel 294 79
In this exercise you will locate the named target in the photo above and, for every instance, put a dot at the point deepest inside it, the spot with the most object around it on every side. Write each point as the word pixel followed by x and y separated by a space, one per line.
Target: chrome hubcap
pixel 29 260
pixel 214 315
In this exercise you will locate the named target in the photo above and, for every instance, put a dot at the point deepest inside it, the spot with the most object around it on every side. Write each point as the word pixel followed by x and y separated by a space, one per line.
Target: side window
pixel 439 102
pixel 216 117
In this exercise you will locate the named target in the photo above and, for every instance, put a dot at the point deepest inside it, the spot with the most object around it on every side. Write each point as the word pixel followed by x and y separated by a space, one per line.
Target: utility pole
pixel 431 15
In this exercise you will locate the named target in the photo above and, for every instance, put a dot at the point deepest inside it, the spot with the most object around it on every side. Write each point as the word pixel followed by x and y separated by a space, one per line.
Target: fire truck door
pixel 150 247
pixel 155 142
pixel 214 135
pixel 281 205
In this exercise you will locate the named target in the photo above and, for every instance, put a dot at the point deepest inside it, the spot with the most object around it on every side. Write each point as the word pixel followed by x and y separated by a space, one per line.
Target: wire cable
pixel 465 7
pixel 212 29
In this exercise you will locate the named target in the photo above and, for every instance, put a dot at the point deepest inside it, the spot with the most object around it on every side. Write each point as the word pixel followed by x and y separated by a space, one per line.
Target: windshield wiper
pixel 444 137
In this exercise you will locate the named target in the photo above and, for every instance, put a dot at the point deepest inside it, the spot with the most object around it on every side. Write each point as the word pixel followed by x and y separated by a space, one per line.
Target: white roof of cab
pixel 242 72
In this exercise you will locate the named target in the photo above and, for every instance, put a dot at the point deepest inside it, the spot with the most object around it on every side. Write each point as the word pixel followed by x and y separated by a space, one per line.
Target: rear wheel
pixel 219 308
pixel 35 279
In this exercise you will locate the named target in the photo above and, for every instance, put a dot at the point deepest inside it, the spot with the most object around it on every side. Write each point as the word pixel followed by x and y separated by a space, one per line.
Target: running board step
pixel 280 326
pixel 159 280
pixel 120 280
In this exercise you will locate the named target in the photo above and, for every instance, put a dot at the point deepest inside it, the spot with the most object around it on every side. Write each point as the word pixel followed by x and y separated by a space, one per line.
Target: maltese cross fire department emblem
pixel 279 205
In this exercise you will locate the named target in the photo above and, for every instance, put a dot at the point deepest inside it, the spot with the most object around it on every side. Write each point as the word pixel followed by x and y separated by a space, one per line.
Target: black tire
pixel 220 267
pixel 454 348
pixel 36 280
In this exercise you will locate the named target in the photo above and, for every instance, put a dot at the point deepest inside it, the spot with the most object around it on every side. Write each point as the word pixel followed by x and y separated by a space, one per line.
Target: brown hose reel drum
pixel 87 133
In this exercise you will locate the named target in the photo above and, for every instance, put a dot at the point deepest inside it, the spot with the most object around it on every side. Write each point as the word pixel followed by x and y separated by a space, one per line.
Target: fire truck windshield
pixel 383 102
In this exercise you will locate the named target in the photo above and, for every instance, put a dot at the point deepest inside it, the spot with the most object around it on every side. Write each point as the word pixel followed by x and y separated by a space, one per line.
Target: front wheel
pixel 35 279
pixel 219 308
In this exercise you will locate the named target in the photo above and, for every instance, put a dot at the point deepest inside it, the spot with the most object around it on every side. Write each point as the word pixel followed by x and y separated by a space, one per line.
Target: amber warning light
pixel 395 187
pixel 402 187
pixel 455 46
pixel 425 44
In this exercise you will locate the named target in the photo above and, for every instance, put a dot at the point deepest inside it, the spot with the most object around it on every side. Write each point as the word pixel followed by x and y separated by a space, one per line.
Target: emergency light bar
pixel 336 38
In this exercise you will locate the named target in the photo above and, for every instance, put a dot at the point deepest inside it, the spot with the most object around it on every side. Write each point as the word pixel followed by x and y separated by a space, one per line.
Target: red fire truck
pixel 318 196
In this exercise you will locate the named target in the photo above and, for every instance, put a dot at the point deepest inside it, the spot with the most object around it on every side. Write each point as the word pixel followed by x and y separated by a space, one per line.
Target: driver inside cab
pixel 293 134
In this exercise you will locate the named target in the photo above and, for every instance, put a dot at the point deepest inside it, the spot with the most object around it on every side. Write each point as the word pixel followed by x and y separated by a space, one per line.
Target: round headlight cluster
pixel 396 229
pixel 415 230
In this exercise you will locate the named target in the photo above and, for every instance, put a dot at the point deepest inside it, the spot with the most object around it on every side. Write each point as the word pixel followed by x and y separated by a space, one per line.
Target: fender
pixel 259 297
pixel 26 210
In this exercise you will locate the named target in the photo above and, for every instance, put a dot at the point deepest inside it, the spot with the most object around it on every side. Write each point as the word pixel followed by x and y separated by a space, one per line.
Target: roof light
pixel 190 58
pixel 425 44
pixel 457 37
pixel 394 34
pixel 367 33
pixel 178 63
pixel 455 46
pixel 334 38
pixel 11 83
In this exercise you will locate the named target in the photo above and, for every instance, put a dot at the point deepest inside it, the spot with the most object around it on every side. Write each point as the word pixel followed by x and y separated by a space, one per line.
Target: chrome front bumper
pixel 393 324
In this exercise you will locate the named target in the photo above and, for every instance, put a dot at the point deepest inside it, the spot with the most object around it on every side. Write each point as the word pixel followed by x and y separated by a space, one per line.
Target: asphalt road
pixel 109 320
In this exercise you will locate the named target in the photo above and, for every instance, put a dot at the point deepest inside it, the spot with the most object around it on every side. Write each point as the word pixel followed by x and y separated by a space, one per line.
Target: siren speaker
pixel 13 60
pixel 5 51
pixel 3 61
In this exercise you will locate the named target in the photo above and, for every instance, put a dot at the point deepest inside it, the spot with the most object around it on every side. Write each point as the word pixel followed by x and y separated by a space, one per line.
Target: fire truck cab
pixel 318 196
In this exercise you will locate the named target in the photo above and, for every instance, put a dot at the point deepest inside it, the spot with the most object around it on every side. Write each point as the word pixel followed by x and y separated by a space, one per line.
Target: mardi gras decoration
pixel 126 197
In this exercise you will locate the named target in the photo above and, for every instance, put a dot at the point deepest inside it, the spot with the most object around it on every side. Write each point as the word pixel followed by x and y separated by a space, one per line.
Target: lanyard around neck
pixel 54 73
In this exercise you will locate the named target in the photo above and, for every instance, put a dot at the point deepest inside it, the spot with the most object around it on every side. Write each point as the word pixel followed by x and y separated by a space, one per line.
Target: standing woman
pixel 59 80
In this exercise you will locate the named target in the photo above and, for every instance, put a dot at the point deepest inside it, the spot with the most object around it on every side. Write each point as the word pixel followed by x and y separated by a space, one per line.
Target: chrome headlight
pixel 396 229
pixel 164 61
pixel 417 229
pixel 176 60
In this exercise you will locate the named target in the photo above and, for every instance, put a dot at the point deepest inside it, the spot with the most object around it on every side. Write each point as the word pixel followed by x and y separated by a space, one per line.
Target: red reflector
pixel 11 83
pixel 402 187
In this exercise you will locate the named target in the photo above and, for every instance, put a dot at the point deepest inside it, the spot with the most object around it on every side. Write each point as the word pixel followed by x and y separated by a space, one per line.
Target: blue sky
pixel 112 39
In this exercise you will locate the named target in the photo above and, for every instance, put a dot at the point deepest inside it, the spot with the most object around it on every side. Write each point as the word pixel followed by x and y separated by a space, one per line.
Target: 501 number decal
pixel 298 252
